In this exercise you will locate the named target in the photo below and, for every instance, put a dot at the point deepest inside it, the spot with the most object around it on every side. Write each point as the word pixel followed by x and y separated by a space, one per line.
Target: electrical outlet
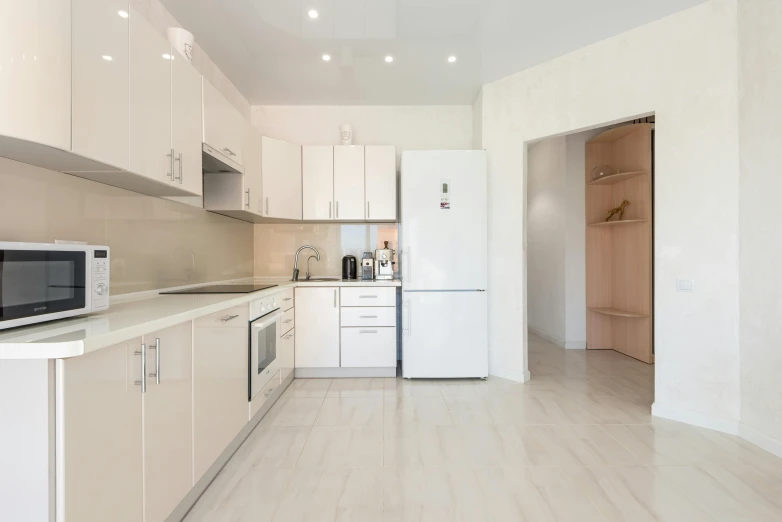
pixel 685 285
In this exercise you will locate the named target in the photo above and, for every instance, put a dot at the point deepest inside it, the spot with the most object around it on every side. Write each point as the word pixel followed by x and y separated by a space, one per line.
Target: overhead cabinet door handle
pixel 143 381
pixel 248 198
pixel 156 375
pixel 170 155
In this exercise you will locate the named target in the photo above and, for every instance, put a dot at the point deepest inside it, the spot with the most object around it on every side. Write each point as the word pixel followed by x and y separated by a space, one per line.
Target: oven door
pixel 264 333
pixel 37 283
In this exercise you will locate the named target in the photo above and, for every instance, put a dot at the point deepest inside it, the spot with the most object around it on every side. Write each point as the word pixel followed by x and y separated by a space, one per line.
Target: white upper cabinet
pixel 150 102
pixel 317 167
pixel 252 187
pixel 35 83
pixel 224 127
pixel 281 179
pixel 99 80
pixel 380 181
pixel 186 124
pixel 349 183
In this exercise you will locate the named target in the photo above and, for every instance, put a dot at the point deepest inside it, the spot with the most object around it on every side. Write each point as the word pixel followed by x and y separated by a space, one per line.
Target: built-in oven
pixel 264 333
pixel 43 281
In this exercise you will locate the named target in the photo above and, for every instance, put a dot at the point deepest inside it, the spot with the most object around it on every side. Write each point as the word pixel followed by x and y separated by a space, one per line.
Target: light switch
pixel 685 285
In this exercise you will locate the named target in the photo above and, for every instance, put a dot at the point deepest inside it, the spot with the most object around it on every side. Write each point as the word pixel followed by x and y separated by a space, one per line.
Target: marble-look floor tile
pixel 511 496
pixel 423 445
pixel 272 447
pixel 357 388
pixel 469 410
pixel 308 388
pixel 343 446
pixel 350 411
pixel 395 387
pixel 293 412
pixel 415 410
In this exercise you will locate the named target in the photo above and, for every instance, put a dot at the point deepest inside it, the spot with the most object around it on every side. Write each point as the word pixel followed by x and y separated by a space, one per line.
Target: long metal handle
pixel 229 318
pixel 287 298
pixel 181 168
pixel 156 375
pixel 367 331
pixel 367 209
pixel 335 298
pixel 171 164
pixel 367 317
pixel 337 209
pixel 248 198
pixel 267 206
pixel 367 297
pixel 329 209
pixel 143 381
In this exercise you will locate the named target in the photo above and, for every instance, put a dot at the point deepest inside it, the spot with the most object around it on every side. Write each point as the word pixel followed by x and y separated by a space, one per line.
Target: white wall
pixel 684 70
pixel 546 224
pixel 760 127
pixel 477 122
pixel 422 127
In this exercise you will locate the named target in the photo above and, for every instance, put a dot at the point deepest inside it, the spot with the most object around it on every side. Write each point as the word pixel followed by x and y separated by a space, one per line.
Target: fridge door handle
pixel 406 317
pixel 408 275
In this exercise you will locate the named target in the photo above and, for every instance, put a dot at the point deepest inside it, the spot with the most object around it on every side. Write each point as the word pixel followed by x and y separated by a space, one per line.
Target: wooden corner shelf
pixel 617 178
pixel 616 312
pixel 615 223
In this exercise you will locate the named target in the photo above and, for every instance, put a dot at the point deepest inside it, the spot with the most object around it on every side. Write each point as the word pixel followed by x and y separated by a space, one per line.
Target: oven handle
pixel 267 320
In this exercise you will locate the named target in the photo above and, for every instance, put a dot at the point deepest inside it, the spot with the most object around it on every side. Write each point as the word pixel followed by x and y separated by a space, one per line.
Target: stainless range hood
pixel 215 162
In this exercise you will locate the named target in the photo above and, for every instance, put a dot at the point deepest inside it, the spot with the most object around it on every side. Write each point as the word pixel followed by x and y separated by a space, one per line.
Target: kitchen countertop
pixel 131 316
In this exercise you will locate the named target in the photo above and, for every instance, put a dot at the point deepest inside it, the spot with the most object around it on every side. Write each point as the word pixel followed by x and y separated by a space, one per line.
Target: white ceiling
pixel 272 50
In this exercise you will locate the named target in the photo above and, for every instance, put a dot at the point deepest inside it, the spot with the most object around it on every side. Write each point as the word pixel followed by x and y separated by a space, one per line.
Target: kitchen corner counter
pixel 133 316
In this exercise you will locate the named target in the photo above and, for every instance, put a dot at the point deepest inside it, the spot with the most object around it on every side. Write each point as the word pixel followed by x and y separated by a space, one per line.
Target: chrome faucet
pixel 296 261
pixel 308 265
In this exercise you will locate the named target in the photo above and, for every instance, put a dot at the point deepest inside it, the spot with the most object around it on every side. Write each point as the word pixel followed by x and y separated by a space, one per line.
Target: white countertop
pixel 131 316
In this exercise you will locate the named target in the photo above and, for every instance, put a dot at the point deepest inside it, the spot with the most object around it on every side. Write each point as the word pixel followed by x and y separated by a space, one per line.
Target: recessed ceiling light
pixel 389 58
pixel 122 14
pixel 312 13
pixel 166 56
pixel 107 57
pixel 452 59
pixel 326 57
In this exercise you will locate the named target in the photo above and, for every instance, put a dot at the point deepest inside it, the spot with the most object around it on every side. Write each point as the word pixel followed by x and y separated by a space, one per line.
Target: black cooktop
pixel 221 289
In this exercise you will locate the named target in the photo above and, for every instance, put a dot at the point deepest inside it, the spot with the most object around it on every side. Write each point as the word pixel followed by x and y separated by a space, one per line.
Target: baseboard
pixel 545 335
pixel 770 444
pixel 337 373
pixel 511 375
pixel 575 345
pixel 729 426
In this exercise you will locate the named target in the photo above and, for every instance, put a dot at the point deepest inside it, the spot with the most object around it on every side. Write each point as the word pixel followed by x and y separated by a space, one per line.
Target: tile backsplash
pixel 276 245
pixel 155 243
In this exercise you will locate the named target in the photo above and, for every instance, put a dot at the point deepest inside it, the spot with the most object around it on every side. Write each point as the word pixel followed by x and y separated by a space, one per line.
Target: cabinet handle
pixel 367 317
pixel 248 198
pixel 181 168
pixel 143 381
pixel 367 331
pixel 367 297
pixel 229 151
pixel 287 321
pixel 367 209
pixel 171 164
pixel 156 375
pixel 337 209
pixel 229 318
pixel 288 336
pixel 287 298
pixel 267 206
pixel 329 209
pixel 335 298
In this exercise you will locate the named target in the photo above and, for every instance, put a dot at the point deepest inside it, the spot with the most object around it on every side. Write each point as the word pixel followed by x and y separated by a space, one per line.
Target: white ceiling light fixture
pixel 312 13
pixel 326 57
pixel 107 57
pixel 122 14
pixel 452 59
pixel 167 57
pixel 389 58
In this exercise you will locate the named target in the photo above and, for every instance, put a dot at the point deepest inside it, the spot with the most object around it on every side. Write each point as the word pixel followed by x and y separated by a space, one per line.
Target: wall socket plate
pixel 685 285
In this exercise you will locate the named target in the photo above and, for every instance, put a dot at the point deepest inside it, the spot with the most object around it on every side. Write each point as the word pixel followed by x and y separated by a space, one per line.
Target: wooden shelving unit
pixel 619 253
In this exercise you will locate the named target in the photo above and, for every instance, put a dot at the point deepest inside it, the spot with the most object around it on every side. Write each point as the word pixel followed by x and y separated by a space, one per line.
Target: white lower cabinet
pixel 98 453
pixel 368 347
pixel 219 384
pixel 167 406
pixel 317 329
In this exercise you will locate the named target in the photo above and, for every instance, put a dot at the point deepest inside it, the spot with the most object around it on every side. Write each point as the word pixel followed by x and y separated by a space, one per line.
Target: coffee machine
pixel 384 263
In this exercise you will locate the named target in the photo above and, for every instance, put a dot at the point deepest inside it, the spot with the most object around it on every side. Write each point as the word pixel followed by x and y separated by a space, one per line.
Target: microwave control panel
pixel 100 279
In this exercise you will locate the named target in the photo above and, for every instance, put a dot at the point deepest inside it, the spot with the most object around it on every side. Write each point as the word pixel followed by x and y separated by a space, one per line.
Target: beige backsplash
pixel 276 245
pixel 155 243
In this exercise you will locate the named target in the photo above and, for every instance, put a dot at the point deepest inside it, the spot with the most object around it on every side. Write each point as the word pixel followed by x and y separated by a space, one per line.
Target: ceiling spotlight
pixel 312 13
pixel 166 56
pixel 452 59
pixel 326 57
pixel 107 57
pixel 122 14
pixel 389 58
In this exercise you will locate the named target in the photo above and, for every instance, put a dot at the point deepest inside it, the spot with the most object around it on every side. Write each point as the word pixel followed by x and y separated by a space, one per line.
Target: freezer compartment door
pixel 445 335
pixel 443 238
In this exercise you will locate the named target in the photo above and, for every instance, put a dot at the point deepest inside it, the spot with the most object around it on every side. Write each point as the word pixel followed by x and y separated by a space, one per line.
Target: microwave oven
pixel 43 282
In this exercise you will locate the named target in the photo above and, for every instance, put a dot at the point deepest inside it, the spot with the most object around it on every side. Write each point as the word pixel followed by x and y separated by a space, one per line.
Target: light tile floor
pixel 576 443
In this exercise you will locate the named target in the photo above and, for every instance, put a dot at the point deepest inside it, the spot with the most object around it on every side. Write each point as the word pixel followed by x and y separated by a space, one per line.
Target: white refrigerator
pixel 444 251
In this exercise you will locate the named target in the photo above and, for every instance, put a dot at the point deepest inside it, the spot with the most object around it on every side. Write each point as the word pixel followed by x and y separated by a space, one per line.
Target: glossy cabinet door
pixel 223 125
pixel 380 180
pixel 220 391
pixel 186 124
pixel 285 354
pixel 317 182
pixel 368 347
pixel 349 183
pixel 281 179
pixel 252 184
pixel 98 453
pixel 168 470
pixel 35 80
pixel 100 97
pixel 150 102
pixel 317 327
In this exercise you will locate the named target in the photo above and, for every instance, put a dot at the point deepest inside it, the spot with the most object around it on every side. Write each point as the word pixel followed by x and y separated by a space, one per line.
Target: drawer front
pixel 368 296
pixel 286 323
pixel 286 299
pixel 369 316
pixel 263 397
pixel 236 317
pixel 369 347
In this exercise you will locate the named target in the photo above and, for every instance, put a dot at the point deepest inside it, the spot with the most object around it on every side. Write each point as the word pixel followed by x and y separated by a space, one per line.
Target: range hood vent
pixel 215 162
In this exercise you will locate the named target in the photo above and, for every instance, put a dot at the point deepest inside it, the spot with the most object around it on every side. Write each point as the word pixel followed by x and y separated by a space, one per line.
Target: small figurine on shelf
pixel 618 210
